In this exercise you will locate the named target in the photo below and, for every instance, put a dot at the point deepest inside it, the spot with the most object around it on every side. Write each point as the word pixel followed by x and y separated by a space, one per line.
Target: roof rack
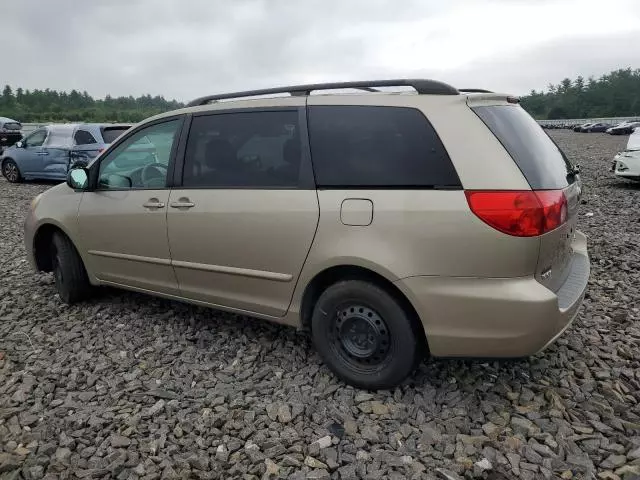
pixel 474 90
pixel 432 87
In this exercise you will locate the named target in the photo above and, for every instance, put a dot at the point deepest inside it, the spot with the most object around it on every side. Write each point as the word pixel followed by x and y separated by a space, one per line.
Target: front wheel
pixel 11 171
pixel 69 273
pixel 364 335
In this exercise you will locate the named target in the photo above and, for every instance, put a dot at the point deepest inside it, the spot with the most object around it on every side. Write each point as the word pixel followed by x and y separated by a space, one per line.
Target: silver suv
pixel 387 224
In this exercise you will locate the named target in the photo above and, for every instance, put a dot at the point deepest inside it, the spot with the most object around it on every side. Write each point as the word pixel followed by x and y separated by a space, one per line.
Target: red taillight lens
pixel 520 213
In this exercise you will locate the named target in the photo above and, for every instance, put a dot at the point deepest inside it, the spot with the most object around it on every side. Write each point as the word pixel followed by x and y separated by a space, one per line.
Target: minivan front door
pixel 242 224
pixel 30 157
pixel 123 222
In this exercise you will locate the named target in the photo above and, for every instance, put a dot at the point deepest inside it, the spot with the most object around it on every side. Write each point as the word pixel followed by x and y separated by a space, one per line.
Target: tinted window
pixel 12 126
pixel 541 161
pixel 361 146
pixel 82 137
pixel 248 149
pixel 109 134
pixel 140 161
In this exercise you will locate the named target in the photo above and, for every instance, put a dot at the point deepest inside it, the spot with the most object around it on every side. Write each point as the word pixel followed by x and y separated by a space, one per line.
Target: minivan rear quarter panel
pixel 419 232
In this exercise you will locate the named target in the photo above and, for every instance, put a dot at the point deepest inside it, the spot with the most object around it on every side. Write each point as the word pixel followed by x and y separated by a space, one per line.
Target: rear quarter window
pixel 82 137
pixel 109 134
pixel 377 147
pixel 539 159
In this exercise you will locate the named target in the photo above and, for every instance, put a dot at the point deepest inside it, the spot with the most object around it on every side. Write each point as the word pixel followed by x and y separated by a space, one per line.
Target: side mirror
pixel 20 144
pixel 78 178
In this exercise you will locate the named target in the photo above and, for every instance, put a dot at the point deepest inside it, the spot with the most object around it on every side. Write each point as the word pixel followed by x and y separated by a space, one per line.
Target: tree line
pixel 616 94
pixel 38 106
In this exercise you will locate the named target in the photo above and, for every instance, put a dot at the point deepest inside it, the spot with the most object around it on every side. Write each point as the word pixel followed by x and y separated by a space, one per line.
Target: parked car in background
pixel 455 248
pixel 578 128
pixel 624 128
pixel 10 132
pixel 626 164
pixel 595 127
pixel 48 152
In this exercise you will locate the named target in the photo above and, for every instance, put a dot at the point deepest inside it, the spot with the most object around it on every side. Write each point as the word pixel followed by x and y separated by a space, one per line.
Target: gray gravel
pixel 129 386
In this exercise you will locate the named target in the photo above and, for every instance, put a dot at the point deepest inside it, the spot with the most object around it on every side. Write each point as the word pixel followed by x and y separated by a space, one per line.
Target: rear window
pixel 541 161
pixel 379 147
pixel 12 126
pixel 109 134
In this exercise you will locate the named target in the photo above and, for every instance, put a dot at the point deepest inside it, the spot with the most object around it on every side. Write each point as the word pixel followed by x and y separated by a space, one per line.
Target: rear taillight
pixel 520 213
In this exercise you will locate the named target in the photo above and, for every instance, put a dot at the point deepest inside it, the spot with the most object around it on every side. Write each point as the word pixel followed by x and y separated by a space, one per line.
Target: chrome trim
pixel 243 272
pixel 133 258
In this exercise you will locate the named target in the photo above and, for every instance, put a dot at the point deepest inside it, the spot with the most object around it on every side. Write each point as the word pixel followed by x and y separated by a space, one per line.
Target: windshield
pixel 634 141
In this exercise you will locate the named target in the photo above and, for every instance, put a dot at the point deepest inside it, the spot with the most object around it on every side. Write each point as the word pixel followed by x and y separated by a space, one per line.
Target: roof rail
pixel 474 90
pixel 432 87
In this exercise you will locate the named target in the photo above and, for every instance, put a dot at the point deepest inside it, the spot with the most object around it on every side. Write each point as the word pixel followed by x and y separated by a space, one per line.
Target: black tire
pixel 11 172
pixel 364 335
pixel 69 273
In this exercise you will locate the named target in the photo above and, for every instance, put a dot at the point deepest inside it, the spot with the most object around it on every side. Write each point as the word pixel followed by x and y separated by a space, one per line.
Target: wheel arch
pixel 336 273
pixel 11 159
pixel 41 245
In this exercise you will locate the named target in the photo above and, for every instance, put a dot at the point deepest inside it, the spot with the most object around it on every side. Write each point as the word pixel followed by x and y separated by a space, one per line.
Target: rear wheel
pixel 364 335
pixel 69 273
pixel 11 171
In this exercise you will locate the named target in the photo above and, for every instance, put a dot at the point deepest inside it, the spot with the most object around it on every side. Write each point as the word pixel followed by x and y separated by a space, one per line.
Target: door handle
pixel 42 153
pixel 153 203
pixel 182 204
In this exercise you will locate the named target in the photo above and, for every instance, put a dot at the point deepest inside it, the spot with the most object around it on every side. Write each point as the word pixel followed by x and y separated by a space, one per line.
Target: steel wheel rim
pixel 360 337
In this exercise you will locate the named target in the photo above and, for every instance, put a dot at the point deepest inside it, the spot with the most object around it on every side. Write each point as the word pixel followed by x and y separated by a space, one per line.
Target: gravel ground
pixel 129 386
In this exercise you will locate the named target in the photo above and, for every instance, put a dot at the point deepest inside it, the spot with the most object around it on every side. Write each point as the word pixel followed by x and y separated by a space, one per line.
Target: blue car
pixel 48 152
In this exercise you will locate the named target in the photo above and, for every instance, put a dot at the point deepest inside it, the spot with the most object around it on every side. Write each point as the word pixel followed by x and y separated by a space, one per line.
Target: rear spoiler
pixel 485 99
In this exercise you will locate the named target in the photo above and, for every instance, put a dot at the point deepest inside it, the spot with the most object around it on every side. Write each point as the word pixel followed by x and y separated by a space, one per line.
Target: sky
pixel 183 49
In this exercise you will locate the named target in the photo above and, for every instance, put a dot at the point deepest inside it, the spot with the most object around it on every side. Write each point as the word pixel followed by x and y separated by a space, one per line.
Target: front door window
pixel 36 139
pixel 141 161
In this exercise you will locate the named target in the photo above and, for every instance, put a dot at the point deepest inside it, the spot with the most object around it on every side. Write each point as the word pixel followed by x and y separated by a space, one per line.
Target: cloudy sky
pixel 186 48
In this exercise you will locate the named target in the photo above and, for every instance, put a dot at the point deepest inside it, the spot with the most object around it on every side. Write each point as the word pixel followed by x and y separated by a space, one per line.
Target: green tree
pixel 616 94
pixel 51 105
pixel 7 97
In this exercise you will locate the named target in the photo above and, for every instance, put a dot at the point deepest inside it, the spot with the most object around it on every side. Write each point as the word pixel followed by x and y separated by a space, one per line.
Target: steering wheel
pixel 152 172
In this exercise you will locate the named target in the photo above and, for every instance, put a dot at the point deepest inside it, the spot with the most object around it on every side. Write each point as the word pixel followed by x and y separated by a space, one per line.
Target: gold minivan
pixel 388 223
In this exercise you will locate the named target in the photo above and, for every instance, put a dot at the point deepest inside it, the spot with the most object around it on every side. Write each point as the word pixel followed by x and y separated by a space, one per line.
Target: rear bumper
pixel 497 317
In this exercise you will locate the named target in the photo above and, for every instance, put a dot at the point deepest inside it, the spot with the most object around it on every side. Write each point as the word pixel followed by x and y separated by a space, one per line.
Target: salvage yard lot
pixel 129 386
